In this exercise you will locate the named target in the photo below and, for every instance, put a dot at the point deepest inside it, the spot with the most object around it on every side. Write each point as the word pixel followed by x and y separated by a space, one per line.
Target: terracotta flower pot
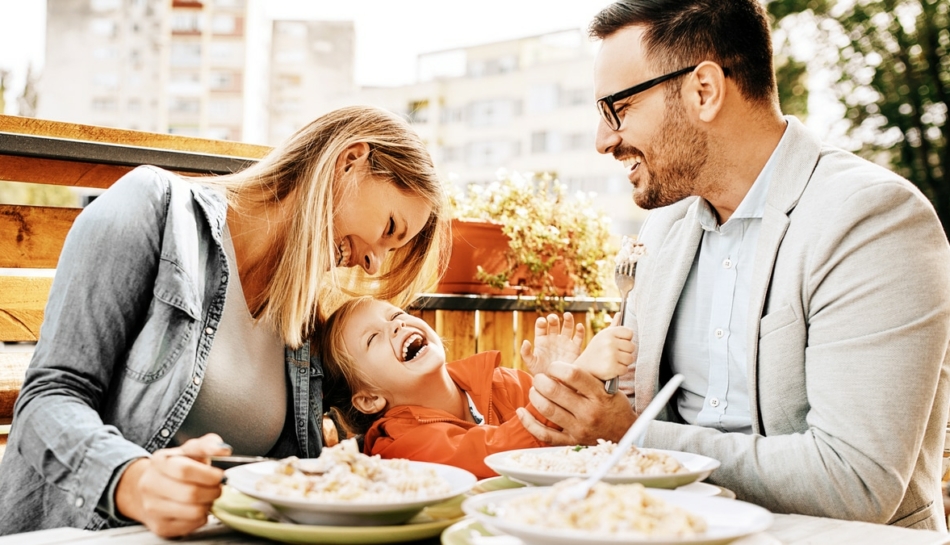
pixel 477 243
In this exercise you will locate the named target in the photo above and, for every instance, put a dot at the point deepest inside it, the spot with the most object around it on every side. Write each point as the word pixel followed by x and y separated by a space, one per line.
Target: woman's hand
pixel 552 342
pixel 172 491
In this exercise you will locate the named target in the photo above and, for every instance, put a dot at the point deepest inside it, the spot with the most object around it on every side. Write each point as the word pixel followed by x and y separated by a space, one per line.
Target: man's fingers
pixel 540 431
pixel 581 382
pixel 552 400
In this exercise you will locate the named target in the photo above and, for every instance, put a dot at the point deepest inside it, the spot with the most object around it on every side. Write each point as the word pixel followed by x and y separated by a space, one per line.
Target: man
pixel 802 291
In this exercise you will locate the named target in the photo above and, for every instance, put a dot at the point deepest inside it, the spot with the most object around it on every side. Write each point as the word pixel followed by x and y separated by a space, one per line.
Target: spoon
pixel 581 489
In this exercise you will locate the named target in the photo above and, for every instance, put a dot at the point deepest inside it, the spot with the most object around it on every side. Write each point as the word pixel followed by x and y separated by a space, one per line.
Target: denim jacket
pixel 123 350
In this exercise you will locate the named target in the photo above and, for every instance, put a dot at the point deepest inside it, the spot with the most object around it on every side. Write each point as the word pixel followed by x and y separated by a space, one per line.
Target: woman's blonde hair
pixel 341 374
pixel 305 279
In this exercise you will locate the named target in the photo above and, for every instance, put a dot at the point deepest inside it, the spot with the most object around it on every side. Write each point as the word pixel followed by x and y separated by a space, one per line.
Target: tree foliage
pixel 892 76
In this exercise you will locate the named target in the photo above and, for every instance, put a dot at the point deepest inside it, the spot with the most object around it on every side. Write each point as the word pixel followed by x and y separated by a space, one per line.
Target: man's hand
pixel 575 400
pixel 609 353
pixel 172 491
pixel 552 342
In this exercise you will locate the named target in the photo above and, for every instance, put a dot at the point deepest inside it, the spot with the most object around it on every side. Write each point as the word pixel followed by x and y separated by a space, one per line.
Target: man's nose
pixel 607 139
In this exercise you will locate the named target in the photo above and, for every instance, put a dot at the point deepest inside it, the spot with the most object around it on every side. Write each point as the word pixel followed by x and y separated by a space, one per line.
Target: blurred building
pixel 525 105
pixel 311 66
pixel 173 66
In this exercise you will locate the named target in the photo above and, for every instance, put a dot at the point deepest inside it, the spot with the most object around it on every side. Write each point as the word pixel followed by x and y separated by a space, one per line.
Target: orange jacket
pixel 431 435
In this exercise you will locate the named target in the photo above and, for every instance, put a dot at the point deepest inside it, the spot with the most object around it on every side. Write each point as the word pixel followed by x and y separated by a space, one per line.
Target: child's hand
pixel 609 353
pixel 552 342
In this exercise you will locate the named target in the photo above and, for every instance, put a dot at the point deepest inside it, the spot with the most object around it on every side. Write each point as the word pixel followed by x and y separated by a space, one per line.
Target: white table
pixel 787 530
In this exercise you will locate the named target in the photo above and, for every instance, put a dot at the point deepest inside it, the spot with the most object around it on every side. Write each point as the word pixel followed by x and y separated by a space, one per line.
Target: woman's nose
pixel 370 262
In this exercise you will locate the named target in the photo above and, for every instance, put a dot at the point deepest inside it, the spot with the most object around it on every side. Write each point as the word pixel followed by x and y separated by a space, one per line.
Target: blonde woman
pixel 176 325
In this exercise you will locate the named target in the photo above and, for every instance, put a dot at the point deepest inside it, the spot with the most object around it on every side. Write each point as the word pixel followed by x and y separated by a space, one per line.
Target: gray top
pixel 243 395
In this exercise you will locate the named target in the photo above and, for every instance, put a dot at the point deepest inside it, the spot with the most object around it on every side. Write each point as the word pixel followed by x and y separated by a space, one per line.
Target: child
pixel 387 377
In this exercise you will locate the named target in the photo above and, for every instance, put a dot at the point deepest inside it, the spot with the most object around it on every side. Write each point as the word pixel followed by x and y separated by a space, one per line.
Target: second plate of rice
pixel 654 468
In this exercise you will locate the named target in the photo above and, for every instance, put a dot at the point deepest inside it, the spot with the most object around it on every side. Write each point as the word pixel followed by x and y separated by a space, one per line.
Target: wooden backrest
pixel 31 237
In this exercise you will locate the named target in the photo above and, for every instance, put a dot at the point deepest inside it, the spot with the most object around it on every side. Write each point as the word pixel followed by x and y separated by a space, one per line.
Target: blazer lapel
pixel 671 265
pixel 793 168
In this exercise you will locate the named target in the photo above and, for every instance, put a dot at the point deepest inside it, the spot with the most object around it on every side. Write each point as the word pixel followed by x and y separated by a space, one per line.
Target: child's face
pixel 395 350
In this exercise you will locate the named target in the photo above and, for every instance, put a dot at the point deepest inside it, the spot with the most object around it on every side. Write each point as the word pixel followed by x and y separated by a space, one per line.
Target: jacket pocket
pixel 919 518
pixel 168 328
pixel 776 320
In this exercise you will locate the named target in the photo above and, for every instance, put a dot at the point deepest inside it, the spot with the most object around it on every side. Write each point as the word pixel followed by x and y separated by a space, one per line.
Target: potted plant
pixel 549 244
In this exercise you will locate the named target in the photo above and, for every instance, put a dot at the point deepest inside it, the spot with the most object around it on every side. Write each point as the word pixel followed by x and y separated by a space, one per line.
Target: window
pixel 184 105
pixel 289 80
pixel 184 83
pixel 188 54
pixel 226 24
pixel 491 113
pixel 545 142
pixel 186 22
pixel 104 104
pixel 105 53
pixel 579 141
pixel 451 154
pixel 491 153
pixel 106 80
pixel 135 105
pixel 452 115
pixel 219 80
pixel 224 109
pixel 103 27
pixel 105 5
pixel 227 53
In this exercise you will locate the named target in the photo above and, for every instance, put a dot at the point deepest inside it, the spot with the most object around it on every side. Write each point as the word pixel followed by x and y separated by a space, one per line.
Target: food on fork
pixel 630 251
pixel 579 460
pixel 343 473
pixel 612 509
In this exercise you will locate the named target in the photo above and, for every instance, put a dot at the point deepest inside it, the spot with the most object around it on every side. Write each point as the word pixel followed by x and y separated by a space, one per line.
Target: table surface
pixel 787 530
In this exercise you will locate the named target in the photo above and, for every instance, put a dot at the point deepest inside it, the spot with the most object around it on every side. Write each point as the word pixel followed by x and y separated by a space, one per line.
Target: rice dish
pixel 579 460
pixel 618 509
pixel 343 473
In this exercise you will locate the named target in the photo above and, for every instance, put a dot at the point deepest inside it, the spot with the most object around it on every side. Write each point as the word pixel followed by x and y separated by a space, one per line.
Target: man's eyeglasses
pixel 606 104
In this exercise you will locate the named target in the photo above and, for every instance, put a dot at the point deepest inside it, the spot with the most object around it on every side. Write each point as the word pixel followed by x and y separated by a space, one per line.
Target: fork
pixel 624 276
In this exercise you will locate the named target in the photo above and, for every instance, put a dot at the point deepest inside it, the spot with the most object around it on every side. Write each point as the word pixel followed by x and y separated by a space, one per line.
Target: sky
pixel 390 34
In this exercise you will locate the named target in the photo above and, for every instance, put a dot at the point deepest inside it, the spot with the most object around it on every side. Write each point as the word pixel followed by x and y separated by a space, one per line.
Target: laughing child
pixel 387 378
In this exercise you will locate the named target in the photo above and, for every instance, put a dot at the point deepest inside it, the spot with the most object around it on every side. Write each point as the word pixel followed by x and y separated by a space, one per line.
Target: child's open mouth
pixel 413 347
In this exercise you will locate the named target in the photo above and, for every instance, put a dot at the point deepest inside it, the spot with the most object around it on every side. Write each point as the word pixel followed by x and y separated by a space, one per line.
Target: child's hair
pixel 341 374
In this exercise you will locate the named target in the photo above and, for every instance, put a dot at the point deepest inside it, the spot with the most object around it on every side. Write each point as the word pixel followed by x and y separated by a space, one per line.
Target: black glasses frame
pixel 606 104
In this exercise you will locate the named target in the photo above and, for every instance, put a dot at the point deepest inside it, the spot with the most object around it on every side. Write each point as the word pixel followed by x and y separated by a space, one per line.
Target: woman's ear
pixel 353 156
pixel 368 402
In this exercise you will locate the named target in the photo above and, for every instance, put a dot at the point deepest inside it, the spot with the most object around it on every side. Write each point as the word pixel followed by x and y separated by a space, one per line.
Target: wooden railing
pixel 67 154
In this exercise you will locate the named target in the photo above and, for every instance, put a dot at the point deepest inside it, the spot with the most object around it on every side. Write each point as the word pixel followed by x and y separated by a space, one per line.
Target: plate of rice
pixel 344 487
pixel 654 468
pixel 612 514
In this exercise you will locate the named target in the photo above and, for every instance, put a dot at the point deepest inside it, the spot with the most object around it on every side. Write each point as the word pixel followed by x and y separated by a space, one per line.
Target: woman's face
pixel 373 218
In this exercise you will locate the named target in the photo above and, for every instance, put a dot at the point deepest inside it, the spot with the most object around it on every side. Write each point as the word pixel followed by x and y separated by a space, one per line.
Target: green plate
pixel 461 532
pixel 234 509
pixel 495 483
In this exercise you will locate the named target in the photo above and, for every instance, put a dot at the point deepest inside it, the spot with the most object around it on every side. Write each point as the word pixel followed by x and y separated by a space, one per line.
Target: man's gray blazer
pixel 848 361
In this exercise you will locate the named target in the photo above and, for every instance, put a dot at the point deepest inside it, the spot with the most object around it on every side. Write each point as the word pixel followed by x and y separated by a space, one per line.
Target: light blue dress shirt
pixel 707 339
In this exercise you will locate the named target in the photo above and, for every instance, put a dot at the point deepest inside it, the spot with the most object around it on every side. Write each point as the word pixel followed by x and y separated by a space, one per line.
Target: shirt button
pixel 164 433
pixel 720 333
pixel 79 502
pixel 197 380
pixel 224 278
pixel 727 263
pixel 209 330
pixel 714 402
pixel 302 370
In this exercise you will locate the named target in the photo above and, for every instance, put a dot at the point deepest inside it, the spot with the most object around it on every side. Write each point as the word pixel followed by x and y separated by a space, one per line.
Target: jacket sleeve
pixel 103 280
pixel 451 444
pixel 851 367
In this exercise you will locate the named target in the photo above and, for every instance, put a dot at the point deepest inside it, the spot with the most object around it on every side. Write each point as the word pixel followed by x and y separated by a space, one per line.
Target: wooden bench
pixel 72 155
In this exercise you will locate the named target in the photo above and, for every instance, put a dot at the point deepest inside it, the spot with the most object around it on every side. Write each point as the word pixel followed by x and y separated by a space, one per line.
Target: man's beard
pixel 677 161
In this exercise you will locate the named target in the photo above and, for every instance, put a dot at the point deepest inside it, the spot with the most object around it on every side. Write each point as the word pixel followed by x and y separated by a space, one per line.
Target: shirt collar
pixel 753 204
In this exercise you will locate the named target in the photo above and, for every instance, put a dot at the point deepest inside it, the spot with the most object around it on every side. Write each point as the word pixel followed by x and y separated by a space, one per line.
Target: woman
pixel 176 324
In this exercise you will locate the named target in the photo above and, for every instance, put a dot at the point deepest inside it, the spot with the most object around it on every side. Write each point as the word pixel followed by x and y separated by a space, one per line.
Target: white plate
pixel 727 520
pixel 342 513
pixel 697 468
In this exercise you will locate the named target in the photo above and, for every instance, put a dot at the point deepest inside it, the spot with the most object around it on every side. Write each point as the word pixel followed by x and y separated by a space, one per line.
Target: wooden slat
pixel 92 133
pixel 32 236
pixel 3 444
pixel 12 371
pixel 55 172
pixel 497 332
pixel 22 300
pixel 457 329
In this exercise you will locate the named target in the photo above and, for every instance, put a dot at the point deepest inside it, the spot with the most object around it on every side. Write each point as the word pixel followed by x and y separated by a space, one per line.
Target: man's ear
pixel 706 92
pixel 352 156
pixel 368 402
